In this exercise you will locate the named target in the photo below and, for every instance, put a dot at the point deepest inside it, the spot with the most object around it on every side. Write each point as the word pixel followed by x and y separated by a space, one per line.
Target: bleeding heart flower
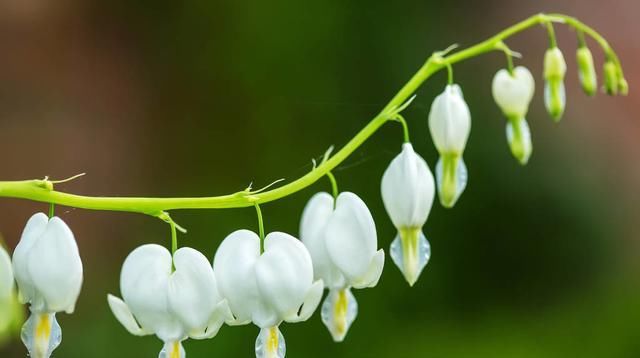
pixel 341 237
pixel 173 305
pixel 48 270
pixel 267 288
pixel 407 192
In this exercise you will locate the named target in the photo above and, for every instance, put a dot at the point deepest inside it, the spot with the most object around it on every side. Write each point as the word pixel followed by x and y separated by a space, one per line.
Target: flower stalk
pixel 42 190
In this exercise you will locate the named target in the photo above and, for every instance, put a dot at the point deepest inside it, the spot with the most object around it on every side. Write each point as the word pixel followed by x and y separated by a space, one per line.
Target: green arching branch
pixel 43 191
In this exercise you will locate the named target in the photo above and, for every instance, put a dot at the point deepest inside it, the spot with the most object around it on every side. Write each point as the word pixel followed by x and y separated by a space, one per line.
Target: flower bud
pixel 611 78
pixel 554 93
pixel 513 93
pixel 586 71
pixel 407 193
pixel 623 86
pixel 555 69
pixel 450 124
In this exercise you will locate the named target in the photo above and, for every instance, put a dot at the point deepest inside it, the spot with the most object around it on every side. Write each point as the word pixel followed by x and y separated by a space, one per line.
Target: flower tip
pixel 411 280
pixel 410 251
pixel 451 177
pixel 623 87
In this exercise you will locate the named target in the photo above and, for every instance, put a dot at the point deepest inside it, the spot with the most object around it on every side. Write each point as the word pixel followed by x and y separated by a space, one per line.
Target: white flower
pixel 407 192
pixel 11 311
pixel 343 245
pixel 450 124
pixel 172 305
pixel 555 69
pixel 267 288
pixel 7 292
pixel 513 93
pixel 48 270
pixel 6 278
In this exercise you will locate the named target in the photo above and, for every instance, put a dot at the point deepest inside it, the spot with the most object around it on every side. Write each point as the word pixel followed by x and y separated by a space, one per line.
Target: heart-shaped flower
pixel 341 237
pixel 172 305
pixel 48 270
pixel 513 93
pixel 268 287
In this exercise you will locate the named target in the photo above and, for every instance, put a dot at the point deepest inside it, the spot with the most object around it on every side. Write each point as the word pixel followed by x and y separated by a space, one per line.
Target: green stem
pixel 552 34
pixel 42 190
pixel 582 42
pixel 260 226
pixel 405 128
pixel 52 210
pixel 449 74
pixel 174 237
pixel 334 185
pixel 509 56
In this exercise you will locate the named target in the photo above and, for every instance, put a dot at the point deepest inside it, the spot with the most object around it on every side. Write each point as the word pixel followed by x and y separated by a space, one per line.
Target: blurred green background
pixel 169 98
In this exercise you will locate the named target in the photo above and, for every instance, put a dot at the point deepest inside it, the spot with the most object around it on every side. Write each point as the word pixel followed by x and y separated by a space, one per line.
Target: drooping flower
pixel 10 308
pixel 555 69
pixel 513 93
pixel 6 277
pixel 450 124
pixel 48 270
pixel 341 237
pixel 267 288
pixel 586 71
pixel 407 192
pixel 174 305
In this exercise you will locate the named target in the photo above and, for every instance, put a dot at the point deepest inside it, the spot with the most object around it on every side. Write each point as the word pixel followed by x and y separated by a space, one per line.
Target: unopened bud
pixel 587 71
pixel 623 86
pixel 555 69
pixel 611 78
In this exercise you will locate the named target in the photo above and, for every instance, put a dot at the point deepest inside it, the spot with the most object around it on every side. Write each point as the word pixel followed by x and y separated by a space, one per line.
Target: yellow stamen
pixel 340 312
pixel 175 350
pixel 272 341
pixel 409 239
pixel 42 335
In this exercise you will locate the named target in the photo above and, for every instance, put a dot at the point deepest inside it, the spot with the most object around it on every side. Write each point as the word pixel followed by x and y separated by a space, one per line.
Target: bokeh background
pixel 171 98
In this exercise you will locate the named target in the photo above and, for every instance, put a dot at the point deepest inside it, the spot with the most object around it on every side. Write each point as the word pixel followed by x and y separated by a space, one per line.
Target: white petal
pixel 124 315
pixel 450 121
pixel 144 285
pixel 32 231
pixel 408 189
pixel 371 278
pixel 351 238
pixel 55 267
pixel 234 268
pixel 6 277
pixel 513 93
pixel 221 314
pixel 193 294
pixel 284 273
pixel 314 220
pixel 310 303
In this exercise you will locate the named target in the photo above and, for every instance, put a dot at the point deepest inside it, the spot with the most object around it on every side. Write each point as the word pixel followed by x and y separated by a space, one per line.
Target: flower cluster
pixel 268 280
